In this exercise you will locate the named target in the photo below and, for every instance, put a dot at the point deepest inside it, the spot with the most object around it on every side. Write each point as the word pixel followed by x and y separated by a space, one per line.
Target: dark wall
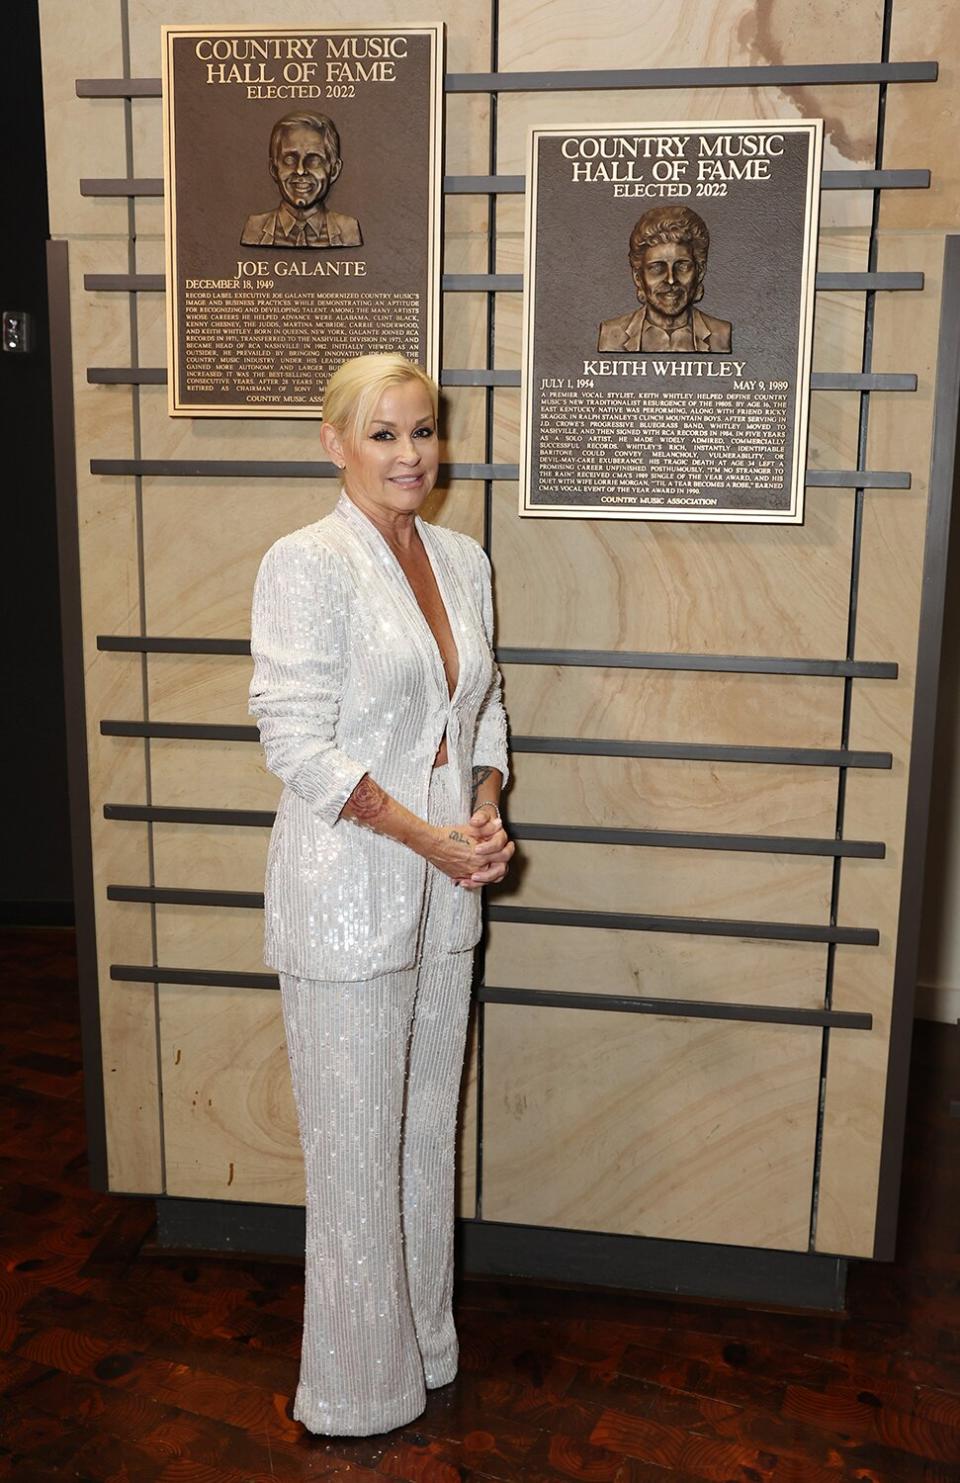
pixel 35 880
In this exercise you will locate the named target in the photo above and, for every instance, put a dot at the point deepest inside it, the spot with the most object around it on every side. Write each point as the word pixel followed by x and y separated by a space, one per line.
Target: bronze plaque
pixel 303 193
pixel 670 273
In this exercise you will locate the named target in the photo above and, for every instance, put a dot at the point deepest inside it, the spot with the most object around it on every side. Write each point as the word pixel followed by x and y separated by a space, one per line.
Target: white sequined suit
pixel 372 945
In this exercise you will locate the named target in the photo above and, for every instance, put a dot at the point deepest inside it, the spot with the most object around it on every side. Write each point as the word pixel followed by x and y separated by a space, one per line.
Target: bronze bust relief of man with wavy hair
pixel 304 161
pixel 668 260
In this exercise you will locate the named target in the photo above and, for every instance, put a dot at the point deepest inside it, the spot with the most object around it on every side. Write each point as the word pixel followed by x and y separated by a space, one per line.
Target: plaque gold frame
pixel 169 33
pixel 794 515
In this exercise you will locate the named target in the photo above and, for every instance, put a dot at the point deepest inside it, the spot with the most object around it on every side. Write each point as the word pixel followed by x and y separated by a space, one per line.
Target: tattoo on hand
pixel 366 803
pixel 480 775
pixel 458 837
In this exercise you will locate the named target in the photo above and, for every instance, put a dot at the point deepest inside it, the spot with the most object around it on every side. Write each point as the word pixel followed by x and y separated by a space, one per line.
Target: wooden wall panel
pixel 672 1128
pixel 211 774
pixel 108 530
pixel 655 964
pixel 230 1126
pixel 691 33
pixel 673 706
pixel 225 939
pixel 215 857
pixel 202 587
pixel 624 792
pixel 678 588
pixel 669 1128
pixel 459 505
pixel 199 689
pixel 694 883
pixel 922 124
pixel 84 137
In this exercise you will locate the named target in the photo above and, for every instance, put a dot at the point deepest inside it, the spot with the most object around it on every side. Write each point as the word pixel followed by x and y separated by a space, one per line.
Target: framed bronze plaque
pixel 303 192
pixel 670 274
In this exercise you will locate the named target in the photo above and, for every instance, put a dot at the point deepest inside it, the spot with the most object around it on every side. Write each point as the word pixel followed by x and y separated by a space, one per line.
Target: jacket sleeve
pixel 298 643
pixel 490 740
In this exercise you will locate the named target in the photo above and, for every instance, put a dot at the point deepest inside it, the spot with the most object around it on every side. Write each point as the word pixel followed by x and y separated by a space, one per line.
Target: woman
pixel 379 706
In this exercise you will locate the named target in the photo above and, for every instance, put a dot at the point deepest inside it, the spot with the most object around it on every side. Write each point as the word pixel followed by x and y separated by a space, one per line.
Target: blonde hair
pixel 356 387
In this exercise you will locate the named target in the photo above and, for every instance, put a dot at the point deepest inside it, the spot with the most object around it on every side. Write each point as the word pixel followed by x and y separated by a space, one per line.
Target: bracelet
pixel 489 803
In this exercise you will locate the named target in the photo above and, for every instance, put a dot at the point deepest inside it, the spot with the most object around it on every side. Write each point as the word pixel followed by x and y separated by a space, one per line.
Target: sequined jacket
pixel 348 679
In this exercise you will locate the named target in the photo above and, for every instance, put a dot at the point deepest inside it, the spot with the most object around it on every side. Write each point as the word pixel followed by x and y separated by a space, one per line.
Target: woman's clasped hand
pixel 476 854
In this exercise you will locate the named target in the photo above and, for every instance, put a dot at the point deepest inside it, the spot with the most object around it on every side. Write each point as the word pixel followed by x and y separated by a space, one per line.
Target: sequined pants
pixel 376 1066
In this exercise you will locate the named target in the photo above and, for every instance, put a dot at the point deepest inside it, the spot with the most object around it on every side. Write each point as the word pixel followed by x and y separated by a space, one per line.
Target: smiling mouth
pixel 406 479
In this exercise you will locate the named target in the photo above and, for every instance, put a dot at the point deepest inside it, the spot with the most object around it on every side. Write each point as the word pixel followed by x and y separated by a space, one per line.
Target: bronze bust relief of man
pixel 668 259
pixel 304 161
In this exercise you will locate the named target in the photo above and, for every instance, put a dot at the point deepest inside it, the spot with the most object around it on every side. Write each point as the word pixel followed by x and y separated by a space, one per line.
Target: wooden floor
pixel 122 1365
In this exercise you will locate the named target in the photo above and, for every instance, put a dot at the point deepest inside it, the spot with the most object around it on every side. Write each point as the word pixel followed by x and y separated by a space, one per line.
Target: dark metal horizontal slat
pixel 123 643
pixel 819 381
pixel 722 663
pixel 684 1008
pixel 702 1009
pixel 875 180
pixel 509 282
pixel 127 375
pixel 157 376
pixel 152 973
pixel 515 185
pixel 872 282
pixel 871 669
pixel 700 752
pixel 863 381
pixel 199 468
pixel 177 731
pixel 616 921
pixel 589 80
pixel 142 283
pixel 152 813
pixel 484 185
pixel 187 896
pixel 130 185
pixel 479 378
pixel 453 185
pixel 766 844
pixel 857 479
pixel 555 746
pixel 119 87
pixel 482 283
pixel 543 916
pixel 771 75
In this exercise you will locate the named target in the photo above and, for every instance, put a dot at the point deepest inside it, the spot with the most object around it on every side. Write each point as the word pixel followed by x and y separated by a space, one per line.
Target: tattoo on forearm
pixel 366 803
pixel 480 775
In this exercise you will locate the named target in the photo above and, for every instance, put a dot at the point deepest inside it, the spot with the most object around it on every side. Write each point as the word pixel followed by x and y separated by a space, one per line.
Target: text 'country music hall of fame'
pixel 303 191
pixel 669 283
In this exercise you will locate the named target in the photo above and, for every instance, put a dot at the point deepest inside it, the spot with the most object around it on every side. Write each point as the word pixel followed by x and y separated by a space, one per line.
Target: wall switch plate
pixel 17 331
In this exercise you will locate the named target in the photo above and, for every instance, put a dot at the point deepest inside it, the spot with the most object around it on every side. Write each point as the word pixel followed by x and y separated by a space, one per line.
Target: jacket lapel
pixel 395 582
pixel 453 598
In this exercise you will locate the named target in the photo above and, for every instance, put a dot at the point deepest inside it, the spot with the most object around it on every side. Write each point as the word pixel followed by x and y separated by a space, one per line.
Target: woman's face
pixel 391 467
